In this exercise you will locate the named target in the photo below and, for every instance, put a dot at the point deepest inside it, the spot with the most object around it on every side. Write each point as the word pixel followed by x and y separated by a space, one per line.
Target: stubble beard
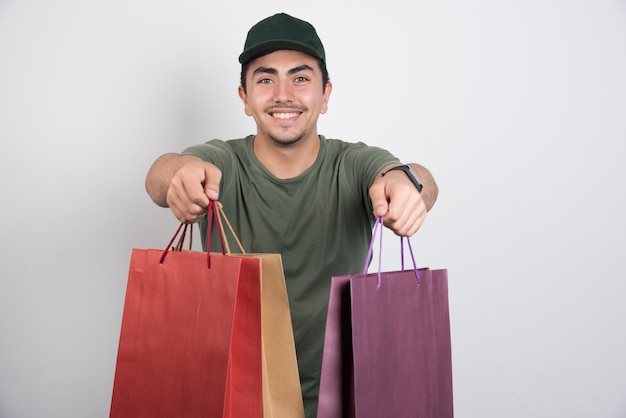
pixel 287 140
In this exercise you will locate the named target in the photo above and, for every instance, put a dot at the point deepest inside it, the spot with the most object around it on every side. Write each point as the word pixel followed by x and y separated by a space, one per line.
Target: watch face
pixel 411 174
pixel 415 179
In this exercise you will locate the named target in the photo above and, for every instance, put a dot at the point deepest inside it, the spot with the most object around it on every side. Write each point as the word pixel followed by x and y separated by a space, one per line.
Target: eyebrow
pixel 274 71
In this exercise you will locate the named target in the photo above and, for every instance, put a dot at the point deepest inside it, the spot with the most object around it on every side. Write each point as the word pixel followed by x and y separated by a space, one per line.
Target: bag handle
pixel 212 215
pixel 181 240
pixel 379 222
pixel 222 215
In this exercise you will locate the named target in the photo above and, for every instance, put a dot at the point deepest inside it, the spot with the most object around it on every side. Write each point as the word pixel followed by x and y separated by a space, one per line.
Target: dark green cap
pixel 281 31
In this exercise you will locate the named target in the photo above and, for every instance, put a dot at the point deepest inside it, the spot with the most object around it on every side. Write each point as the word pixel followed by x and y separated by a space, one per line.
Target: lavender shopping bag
pixel 387 349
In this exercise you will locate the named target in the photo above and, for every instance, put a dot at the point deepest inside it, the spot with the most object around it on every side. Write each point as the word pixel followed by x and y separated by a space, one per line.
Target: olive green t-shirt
pixel 320 222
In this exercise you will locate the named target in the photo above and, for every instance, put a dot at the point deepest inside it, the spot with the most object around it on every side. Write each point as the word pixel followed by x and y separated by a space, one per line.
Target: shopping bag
pixel 190 339
pixel 387 347
pixel 282 394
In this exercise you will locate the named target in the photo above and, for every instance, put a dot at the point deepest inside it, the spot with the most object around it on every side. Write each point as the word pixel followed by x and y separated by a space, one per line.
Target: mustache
pixel 283 106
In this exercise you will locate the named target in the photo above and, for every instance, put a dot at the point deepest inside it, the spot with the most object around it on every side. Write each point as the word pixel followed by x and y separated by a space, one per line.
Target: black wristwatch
pixel 409 172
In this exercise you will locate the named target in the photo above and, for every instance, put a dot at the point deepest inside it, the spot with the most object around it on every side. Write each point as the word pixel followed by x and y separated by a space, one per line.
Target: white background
pixel 517 107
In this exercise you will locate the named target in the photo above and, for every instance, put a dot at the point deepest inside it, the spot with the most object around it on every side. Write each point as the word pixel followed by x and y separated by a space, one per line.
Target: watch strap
pixel 410 173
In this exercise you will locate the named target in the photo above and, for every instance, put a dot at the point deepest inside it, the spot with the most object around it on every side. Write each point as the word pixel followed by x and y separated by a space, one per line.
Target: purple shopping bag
pixel 387 349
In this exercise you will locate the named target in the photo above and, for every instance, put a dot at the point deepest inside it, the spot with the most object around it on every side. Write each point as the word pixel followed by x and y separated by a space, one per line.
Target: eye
pixel 301 79
pixel 264 81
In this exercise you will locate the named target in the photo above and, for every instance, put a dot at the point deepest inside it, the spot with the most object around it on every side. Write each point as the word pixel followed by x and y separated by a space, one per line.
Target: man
pixel 291 191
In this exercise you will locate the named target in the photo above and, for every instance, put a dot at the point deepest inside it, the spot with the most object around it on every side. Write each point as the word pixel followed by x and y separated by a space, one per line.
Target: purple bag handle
pixel 379 222
pixel 211 216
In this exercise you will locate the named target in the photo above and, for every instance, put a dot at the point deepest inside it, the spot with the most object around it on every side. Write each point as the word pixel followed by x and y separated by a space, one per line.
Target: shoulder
pixel 333 143
pixel 359 162
pixel 357 150
pixel 338 147
pixel 218 148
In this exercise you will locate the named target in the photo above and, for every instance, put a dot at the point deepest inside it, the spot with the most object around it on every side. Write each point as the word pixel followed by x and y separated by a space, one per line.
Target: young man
pixel 291 191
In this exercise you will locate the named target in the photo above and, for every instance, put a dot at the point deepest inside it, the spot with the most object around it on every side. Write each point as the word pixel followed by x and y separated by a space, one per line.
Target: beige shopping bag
pixel 282 395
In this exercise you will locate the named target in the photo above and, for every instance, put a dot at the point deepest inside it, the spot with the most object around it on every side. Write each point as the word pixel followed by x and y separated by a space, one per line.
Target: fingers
pixel 399 202
pixel 191 188
pixel 406 221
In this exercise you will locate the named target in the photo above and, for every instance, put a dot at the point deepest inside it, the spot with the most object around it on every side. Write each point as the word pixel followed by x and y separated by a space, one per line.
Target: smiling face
pixel 285 96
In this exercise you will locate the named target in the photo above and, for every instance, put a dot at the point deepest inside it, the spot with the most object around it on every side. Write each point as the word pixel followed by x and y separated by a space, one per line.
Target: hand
pixel 395 197
pixel 192 185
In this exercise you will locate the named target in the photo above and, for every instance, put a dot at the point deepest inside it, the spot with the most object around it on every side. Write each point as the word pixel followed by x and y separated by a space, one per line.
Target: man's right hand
pixel 185 184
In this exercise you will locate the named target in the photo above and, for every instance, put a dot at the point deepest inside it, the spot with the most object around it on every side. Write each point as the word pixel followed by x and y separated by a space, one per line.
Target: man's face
pixel 284 95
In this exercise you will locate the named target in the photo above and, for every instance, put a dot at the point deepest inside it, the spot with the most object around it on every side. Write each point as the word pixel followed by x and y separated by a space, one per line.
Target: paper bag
pixel 190 341
pixel 387 347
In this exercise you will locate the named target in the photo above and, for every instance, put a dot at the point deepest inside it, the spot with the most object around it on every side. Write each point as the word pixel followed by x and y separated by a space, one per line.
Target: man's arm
pixel 395 197
pixel 184 183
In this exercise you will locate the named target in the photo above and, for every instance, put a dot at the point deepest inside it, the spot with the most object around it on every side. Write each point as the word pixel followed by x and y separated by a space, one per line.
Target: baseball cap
pixel 281 31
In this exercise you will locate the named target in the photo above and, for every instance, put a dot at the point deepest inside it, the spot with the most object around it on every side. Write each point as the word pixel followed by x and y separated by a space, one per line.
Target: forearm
pixel 160 175
pixel 430 191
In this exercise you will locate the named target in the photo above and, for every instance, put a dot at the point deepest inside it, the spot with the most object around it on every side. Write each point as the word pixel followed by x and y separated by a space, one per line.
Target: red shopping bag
pixel 190 340
pixel 387 348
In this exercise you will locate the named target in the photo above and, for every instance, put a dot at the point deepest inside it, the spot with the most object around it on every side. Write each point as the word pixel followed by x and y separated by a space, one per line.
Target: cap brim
pixel 275 45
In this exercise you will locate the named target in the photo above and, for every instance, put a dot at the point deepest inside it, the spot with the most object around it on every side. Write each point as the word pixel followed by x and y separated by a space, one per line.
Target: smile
pixel 286 115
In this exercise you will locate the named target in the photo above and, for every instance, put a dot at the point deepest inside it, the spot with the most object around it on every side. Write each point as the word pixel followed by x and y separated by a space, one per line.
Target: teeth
pixel 285 115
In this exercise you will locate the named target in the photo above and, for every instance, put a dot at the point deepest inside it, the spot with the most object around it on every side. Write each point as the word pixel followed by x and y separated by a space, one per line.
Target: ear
pixel 244 99
pixel 326 97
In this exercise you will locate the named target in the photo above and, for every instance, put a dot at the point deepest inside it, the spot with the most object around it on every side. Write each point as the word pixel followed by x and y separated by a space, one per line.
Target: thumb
pixel 212 177
pixel 380 205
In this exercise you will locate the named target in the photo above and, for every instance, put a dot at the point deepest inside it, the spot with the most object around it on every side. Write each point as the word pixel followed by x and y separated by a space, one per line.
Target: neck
pixel 287 160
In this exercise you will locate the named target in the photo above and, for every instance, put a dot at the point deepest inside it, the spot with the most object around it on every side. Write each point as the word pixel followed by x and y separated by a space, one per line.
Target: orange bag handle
pixel 221 214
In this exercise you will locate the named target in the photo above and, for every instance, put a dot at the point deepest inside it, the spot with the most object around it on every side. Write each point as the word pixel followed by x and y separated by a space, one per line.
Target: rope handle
pixel 181 240
pixel 212 215
pixel 377 224
pixel 222 215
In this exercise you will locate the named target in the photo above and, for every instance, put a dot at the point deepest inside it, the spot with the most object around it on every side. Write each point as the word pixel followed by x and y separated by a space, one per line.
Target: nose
pixel 283 91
